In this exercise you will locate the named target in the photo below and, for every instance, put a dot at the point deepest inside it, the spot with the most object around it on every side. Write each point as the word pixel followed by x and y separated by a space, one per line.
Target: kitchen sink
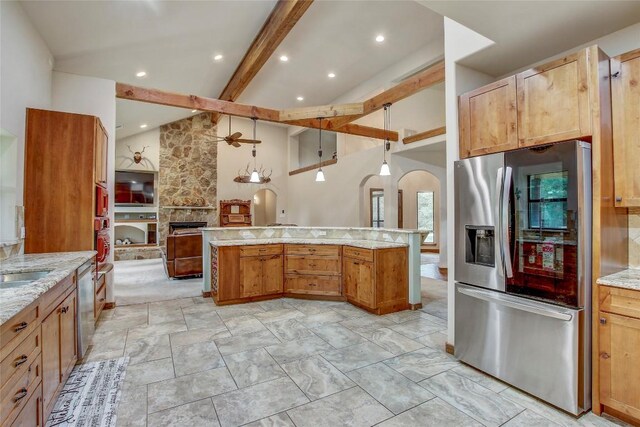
pixel 15 280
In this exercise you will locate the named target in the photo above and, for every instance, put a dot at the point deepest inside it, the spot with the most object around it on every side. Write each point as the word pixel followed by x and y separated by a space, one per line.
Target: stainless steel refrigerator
pixel 523 270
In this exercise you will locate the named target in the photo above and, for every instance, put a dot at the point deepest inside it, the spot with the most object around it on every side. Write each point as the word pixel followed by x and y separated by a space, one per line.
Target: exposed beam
pixel 313 167
pixel 324 111
pixel 424 135
pixel 282 19
pixel 171 99
pixel 424 79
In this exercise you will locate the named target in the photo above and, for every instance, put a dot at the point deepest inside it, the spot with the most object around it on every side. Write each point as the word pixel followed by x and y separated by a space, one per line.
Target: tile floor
pixel 290 362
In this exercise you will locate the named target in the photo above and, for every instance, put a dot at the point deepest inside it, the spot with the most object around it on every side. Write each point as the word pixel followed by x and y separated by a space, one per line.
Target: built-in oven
pixel 102 201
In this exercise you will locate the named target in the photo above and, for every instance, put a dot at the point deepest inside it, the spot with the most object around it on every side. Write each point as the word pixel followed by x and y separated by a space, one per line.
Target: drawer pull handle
pixel 312 265
pixel 313 284
pixel 20 360
pixel 20 326
pixel 356 263
pixel 65 309
pixel 603 320
pixel 20 395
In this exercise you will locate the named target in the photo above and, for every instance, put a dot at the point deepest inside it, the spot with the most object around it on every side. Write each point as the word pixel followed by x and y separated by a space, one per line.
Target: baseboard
pixel 109 305
pixel 443 270
pixel 206 294
pixel 429 250
pixel 417 306
pixel 448 348
pixel 620 415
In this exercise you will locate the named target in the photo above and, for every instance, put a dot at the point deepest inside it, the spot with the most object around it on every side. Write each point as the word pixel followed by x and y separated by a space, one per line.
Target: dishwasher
pixel 84 310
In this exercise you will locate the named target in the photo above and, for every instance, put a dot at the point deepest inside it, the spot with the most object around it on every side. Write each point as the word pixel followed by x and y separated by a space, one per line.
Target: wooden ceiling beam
pixel 170 99
pixel 424 79
pixel 282 19
pixel 324 111
pixel 424 135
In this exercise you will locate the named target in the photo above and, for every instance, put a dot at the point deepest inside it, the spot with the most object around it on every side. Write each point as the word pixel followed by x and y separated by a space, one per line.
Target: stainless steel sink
pixel 15 280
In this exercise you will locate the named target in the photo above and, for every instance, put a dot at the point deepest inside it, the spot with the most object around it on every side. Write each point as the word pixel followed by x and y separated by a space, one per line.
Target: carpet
pixel 142 281
pixel 91 395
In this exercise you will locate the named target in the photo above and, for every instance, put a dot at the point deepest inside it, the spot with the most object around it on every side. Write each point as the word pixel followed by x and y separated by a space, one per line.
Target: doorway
pixel 264 207
pixel 376 208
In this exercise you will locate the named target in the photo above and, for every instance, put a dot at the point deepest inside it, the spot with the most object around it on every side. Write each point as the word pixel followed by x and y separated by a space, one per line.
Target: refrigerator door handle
pixel 516 304
pixel 498 222
pixel 504 222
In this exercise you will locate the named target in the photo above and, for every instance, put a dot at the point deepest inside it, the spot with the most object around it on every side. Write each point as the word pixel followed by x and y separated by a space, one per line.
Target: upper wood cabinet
pixel 488 119
pixel 625 106
pixel 101 154
pixel 542 105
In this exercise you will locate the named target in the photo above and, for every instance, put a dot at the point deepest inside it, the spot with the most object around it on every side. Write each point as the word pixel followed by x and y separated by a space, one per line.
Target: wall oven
pixel 523 270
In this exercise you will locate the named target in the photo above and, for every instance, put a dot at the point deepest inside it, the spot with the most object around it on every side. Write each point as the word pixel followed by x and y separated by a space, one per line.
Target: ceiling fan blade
pixel 235 135
pixel 248 141
pixel 235 144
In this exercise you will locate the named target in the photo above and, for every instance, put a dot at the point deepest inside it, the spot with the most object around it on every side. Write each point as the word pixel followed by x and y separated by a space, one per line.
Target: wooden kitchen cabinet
pixel 101 155
pixel 272 274
pixel 250 276
pixel 619 350
pixel 376 280
pixel 625 106
pixel 313 270
pixel 488 119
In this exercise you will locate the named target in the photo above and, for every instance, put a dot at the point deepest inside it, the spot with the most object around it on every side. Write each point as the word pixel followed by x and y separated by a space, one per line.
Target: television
pixel 135 188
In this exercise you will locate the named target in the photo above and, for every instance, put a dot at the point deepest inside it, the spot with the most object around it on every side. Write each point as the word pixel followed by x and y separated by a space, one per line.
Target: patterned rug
pixel 91 395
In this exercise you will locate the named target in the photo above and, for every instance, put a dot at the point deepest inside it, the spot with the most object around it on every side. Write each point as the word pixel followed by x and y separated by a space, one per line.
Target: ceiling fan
pixel 235 138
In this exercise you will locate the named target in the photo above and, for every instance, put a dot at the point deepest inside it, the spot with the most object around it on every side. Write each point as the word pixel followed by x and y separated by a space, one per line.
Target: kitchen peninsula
pixel 375 269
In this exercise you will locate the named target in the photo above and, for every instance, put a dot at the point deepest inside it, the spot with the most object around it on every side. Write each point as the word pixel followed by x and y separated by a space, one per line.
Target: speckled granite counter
pixel 59 265
pixel 626 279
pixel 364 244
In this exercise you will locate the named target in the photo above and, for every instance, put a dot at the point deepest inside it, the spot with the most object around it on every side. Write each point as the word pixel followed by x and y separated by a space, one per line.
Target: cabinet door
pixel 488 119
pixel 553 101
pixel 366 285
pixel 101 155
pixel 350 271
pixel 68 345
pixel 625 105
pixel 620 363
pixel 250 276
pixel 50 356
pixel 273 274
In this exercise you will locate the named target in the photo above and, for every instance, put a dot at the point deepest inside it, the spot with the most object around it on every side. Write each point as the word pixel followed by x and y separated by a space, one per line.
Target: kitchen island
pixel 314 262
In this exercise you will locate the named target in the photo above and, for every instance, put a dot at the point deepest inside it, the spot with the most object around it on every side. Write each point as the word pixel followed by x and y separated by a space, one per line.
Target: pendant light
pixel 384 169
pixel 255 177
pixel 320 174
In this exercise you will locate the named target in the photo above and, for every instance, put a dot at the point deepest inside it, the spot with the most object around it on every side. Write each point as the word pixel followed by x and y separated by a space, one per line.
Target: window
pixel 377 208
pixel 548 200
pixel 426 214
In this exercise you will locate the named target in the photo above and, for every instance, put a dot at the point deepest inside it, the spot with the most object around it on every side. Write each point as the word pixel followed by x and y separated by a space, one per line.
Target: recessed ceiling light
pixel 218 57
pixel 379 38
pixel 300 98
pixel 284 58
pixel 331 75
pixel 142 126
pixel 141 73
pixel 193 111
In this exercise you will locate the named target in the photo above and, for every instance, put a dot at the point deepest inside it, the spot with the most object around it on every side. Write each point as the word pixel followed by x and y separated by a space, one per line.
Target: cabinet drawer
pixel 14 397
pixel 620 301
pixel 18 361
pixel 313 265
pixel 50 299
pixel 31 415
pixel 358 253
pixel 18 328
pixel 100 300
pixel 258 250
pixel 313 285
pixel 316 250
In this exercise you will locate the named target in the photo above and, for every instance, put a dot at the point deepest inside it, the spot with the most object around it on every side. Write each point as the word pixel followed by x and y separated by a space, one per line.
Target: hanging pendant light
pixel 384 169
pixel 320 174
pixel 255 176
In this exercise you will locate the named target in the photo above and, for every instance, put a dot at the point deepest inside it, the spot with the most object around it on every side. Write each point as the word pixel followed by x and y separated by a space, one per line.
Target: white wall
pixel 308 147
pixel 151 156
pixel 272 155
pixel 25 81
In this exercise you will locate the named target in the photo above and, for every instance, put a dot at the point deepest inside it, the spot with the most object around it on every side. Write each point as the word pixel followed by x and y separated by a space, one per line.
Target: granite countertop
pixel 626 279
pixel 365 244
pixel 59 265
pixel 382 230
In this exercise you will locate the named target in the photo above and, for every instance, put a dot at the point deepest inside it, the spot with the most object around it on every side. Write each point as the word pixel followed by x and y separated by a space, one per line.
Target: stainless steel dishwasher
pixel 85 320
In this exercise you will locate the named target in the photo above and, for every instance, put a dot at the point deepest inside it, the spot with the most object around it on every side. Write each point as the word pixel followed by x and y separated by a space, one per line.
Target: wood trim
pixel 424 79
pixel 109 305
pixel 449 348
pixel 323 111
pixel 417 306
pixel 424 135
pixel 282 19
pixel 171 99
pixel 206 294
pixel 313 167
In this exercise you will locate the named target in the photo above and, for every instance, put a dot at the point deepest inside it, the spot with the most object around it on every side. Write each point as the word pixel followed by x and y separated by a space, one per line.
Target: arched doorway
pixel 372 203
pixel 264 207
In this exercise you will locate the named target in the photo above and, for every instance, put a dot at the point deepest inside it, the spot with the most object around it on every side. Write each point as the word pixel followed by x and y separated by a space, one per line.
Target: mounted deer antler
pixel 137 155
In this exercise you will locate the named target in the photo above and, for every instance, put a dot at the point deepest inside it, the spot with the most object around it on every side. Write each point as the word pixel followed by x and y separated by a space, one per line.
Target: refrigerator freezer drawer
pixel 533 346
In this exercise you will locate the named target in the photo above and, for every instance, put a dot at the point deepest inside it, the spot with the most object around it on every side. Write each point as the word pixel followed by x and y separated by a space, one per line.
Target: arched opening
pixel 421 200
pixel 264 207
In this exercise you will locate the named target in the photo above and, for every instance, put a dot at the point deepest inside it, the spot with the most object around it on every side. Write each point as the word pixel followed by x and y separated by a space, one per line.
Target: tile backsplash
pixel 634 238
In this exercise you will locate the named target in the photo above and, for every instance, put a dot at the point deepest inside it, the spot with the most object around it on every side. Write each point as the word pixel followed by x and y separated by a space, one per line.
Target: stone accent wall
pixel 634 238
pixel 188 172
pixel 127 254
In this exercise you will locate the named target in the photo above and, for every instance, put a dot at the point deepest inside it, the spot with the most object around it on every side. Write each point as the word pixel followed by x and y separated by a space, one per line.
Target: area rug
pixel 91 395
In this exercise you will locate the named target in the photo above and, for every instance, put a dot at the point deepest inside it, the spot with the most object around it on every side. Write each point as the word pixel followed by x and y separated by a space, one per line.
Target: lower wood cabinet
pixel 31 415
pixel 619 350
pixel 261 275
